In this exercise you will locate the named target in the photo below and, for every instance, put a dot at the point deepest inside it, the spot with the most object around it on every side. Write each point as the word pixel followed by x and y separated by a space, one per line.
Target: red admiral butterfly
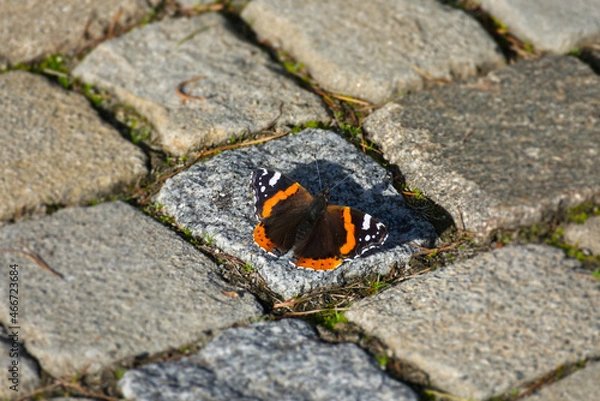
pixel 322 236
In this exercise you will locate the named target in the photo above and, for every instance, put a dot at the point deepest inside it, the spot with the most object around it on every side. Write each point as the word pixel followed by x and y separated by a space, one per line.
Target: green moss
pixel 293 67
pixel 349 130
pixel 93 95
pixel 382 359
pixel 208 239
pixel 416 193
pixel 581 213
pixel 376 285
pixel 119 372
pixel 149 17
pixel 167 220
pixel 309 124
pixel 56 66
pixel 328 318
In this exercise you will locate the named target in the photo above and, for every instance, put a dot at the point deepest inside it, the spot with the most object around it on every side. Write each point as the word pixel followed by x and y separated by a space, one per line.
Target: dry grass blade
pixel 446 396
pixel 205 153
pixel 36 258
pixel 201 8
pixel 111 29
pixel 326 98
pixel 352 100
pixel 110 34
pixel 83 391
pixel 184 96
pixel 238 145
pixel 35 393
pixel 311 312
pixel 429 251
pixel 429 77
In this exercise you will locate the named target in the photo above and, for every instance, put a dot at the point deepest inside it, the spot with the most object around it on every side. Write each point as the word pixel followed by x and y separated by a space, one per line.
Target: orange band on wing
pixel 278 197
pixel 319 264
pixel 349 227
pixel 260 237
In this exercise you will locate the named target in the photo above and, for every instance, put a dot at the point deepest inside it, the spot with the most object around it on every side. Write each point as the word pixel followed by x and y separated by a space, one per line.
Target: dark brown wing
pixel 342 233
pixel 281 204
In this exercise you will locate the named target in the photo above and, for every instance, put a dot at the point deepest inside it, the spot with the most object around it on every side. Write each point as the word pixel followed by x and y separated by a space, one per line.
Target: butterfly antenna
pixel 348 176
pixel 319 175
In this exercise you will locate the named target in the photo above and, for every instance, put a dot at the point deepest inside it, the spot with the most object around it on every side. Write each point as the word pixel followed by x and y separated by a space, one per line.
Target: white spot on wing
pixel 274 179
pixel 262 189
pixel 366 222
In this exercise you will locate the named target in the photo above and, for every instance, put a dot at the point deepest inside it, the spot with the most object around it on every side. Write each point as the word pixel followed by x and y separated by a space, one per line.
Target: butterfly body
pixel 322 235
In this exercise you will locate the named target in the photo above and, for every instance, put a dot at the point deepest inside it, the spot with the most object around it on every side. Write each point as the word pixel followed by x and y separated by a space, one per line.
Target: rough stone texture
pixel 72 399
pixel 484 326
pixel 34 29
pixel 194 3
pixel 214 200
pixel 585 236
pixel 56 149
pixel 506 150
pixel 28 372
pixel 130 286
pixel 245 91
pixel 582 385
pixel 282 360
pixel 536 22
pixel 375 50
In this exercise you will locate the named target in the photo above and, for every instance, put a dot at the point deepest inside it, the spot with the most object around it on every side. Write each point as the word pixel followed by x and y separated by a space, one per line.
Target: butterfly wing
pixel 276 195
pixel 342 233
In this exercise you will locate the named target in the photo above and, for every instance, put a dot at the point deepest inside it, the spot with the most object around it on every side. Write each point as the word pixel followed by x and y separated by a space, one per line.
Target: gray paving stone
pixel 23 376
pixel 378 49
pixel 214 200
pixel 282 360
pixel 582 385
pixel 506 150
pixel 193 3
pixel 536 22
pixel 33 29
pixel 72 399
pixel 245 91
pixel 585 236
pixel 484 326
pixel 56 149
pixel 130 286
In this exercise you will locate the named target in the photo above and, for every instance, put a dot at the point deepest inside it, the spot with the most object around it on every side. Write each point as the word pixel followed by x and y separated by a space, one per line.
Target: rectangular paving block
pixel 104 283
pixel 485 326
pixel 214 201
pixel 511 149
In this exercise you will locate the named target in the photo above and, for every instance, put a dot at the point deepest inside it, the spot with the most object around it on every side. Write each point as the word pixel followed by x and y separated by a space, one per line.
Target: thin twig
pixel 427 251
pixel 239 145
pixel 310 312
pixel 42 390
pixel 111 29
pixel 85 392
pixel 36 258
pixel 352 100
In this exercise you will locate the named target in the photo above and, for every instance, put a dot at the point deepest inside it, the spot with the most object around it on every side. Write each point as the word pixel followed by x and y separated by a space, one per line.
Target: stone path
pixel 203 199
pixel 504 150
pixel 501 144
